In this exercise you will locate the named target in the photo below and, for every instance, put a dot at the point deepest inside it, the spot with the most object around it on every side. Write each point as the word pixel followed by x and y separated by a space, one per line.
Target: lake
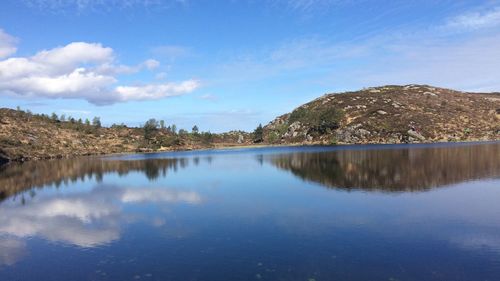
pixel 375 212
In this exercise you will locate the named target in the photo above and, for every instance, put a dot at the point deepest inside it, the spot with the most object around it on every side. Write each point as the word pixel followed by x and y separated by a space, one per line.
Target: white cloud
pixel 81 70
pixel 151 64
pixel 7 44
pixel 475 20
pixel 155 91
pixel 74 54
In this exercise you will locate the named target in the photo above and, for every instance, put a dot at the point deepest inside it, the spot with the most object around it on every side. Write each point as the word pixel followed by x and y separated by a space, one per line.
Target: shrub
pixel 171 141
pixel 320 120
pixel 207 138
pixel 273 137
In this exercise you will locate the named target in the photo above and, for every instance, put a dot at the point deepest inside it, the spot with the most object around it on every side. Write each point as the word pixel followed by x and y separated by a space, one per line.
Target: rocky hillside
pixel 390 114
pixel 26 136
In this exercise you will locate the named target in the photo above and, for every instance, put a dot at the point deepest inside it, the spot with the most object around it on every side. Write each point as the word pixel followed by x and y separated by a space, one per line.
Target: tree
pixel 195 130
pixel 87 122
pixel 174 129
pixel 149 128
pixel 162 124
pixel 183 132
pixel 258 134
pixel 96 122
pixel 63 117
pixel 54 117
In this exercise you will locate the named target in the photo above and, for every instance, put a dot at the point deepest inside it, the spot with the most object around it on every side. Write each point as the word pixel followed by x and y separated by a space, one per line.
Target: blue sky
pixel 232 64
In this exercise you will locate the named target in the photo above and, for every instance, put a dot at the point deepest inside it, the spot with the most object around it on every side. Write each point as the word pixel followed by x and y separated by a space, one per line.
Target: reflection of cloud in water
pixel 11 251
pixel 85 219
pixel 158 195
pixel 478 241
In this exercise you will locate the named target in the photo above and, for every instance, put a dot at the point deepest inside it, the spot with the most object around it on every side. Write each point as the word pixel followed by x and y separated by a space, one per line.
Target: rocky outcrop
pixel 390 114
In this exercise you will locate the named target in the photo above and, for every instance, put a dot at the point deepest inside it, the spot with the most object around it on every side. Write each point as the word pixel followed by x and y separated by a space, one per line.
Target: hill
pixel 26 136
pixel 390 114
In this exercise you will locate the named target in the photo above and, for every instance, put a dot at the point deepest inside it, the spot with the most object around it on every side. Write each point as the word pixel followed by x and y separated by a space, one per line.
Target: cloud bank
pixel 79 70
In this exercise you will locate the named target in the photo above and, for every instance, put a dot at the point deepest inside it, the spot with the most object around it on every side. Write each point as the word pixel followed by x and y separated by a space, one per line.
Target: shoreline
pixel 6 161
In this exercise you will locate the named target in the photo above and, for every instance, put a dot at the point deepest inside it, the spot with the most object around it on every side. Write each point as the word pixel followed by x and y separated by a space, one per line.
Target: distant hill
pixel 390 114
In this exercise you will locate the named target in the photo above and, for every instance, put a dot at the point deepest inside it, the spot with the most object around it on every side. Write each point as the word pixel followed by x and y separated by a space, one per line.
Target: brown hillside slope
pixel 25 136
pixel 391 114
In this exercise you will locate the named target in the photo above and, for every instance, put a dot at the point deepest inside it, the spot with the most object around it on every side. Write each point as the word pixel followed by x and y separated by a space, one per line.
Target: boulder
pixel 293 129
pixel 416 135
pixel 241 139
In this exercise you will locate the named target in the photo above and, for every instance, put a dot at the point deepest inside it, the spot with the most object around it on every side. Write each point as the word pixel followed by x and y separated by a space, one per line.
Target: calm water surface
pixel 396 212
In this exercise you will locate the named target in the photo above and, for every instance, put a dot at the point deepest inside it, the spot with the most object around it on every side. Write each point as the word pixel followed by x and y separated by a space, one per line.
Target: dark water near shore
pixel 392 212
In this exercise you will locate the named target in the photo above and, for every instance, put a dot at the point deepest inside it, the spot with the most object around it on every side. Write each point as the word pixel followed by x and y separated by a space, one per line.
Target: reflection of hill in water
pixel 392 170
pixel 19 177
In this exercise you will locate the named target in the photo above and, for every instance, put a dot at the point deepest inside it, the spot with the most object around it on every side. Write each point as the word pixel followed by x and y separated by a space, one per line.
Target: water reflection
pixel 393 170
pixel 247 215
pixel 11 251
pixel 19 177
pixel 86 219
